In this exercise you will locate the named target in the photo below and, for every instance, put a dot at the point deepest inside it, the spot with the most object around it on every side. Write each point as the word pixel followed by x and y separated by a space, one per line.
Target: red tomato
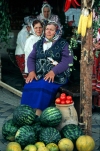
pixel 68 102
pixel 62 98
pixel 71 101
pixel 69 97
pixel 57 101
pixel 63 94
pixel 63 102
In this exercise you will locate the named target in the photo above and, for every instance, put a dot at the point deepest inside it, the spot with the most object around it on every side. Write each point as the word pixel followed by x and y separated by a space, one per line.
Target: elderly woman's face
pixel 46 12
pixel 38 29
pixel 50 31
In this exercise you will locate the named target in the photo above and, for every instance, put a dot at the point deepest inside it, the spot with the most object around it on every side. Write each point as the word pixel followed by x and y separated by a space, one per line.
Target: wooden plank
pixel 11 89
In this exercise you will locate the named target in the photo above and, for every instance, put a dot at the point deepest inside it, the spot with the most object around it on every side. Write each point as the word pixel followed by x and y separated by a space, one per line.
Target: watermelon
pixel 25 136
pixel 23 115
pixel 9 130
pixel 51 116
pixel 49 135
pixel 72 132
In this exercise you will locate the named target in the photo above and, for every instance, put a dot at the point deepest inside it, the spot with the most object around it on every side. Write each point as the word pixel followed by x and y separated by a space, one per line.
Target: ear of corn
pixel 80 25
pixel 89 20
pixel 84 25
pixel 85 22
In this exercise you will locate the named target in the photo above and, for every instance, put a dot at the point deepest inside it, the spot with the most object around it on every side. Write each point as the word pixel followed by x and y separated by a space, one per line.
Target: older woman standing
pixel 46 15
pixel 48 66
pixel 36 34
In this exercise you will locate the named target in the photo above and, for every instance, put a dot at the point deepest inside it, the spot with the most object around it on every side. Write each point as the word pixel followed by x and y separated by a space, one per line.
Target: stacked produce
pixel 27 132
pixel 85 22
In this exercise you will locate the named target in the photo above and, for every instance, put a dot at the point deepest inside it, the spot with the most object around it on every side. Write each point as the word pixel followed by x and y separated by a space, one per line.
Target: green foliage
pixel 4 21
pixel 97 6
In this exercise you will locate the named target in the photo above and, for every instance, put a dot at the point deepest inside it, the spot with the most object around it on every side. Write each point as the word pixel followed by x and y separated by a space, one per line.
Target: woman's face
pixel 50 31
pixel 46 12
pixel 38 29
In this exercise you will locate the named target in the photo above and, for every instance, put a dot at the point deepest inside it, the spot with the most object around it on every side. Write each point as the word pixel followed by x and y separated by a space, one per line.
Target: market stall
pixel 86 62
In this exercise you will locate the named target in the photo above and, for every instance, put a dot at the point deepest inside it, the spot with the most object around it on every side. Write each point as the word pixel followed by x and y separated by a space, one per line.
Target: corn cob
pixel 84 25
pixel 89 24
pixel 80 25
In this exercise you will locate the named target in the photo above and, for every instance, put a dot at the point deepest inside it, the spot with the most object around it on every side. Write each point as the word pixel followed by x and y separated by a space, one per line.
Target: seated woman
pixel 46 15
pixel 25 42
pixel 48 67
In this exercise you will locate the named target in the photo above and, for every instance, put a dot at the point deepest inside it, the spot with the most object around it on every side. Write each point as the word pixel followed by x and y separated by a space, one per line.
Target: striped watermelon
pixel 49 135
pixel 25 136
pixel 23 115
pixel 72 132
pixel 51 116
pixel 9 130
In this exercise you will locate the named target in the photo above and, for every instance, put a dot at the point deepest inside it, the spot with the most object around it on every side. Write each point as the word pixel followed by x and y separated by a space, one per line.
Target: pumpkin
pixel 52 147
pixel 66 144
pixel 13 146
pixel 85 143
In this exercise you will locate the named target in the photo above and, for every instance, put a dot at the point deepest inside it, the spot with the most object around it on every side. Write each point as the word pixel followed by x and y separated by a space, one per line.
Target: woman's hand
pixel 31 76
pixel 49 76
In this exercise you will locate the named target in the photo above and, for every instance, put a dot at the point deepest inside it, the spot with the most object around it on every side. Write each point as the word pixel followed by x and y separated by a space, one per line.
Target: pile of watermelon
pixel 25 128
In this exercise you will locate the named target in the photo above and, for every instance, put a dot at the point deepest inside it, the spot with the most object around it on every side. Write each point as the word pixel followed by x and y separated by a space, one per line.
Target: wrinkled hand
pixel 49 76
pixel 31 76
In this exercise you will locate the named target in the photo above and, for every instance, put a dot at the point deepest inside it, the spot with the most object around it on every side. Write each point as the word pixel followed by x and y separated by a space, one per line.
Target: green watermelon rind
pixel 9 130
pixel 71 131
pixel 49 135
pixel 51 116
pixel 23 115
pixel 25 136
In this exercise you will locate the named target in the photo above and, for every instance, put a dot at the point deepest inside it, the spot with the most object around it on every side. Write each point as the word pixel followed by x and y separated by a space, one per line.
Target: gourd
pixel 13 146
pixel 85 143
pixel 65 144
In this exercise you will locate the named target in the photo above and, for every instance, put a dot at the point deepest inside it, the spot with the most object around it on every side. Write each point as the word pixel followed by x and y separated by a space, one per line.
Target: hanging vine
pixel 4 21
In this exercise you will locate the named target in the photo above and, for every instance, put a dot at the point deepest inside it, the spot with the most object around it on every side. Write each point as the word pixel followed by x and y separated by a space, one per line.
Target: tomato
pixel 57 101
pixel 63 102
pixel 68 102
pixel 69 97
pixel 63 94
pixel 71 101
pixel 62 97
